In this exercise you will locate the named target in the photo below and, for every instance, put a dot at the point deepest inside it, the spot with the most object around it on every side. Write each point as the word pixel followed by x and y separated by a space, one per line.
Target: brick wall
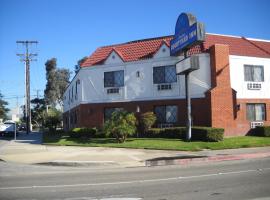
pixel 242 124
pixel 222 98
pixel 92 115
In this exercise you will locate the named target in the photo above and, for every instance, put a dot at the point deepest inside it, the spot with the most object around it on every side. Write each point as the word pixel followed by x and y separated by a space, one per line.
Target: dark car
pixel 22 127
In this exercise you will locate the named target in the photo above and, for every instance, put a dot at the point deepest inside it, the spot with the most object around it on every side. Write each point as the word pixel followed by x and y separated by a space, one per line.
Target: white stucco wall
pixel 237 77
pixel 91 88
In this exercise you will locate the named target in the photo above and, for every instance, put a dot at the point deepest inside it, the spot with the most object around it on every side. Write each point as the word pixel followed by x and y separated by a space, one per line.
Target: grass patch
pixel 159 143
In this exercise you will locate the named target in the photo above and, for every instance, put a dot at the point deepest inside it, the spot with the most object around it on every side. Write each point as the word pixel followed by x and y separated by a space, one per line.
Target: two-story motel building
pixel 230 90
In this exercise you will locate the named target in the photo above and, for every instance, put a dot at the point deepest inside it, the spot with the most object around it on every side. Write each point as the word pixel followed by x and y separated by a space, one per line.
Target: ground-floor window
pixel 109 111
pixel 67 122
pixel 256 111
pixel 166 114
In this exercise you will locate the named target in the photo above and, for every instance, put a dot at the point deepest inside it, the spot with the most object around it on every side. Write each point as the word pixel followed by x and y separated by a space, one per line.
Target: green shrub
pixel 173 132
pixel 54 132
pixel 263 131
pixel 121 125
pixel 207 134
pixel 198 133
pixel 83 132
pixel 146 121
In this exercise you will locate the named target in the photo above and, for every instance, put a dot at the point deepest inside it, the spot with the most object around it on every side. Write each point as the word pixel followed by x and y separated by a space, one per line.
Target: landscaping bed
pixel 157 143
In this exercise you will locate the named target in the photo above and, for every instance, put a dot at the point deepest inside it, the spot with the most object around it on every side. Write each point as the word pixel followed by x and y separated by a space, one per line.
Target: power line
pixel 27 58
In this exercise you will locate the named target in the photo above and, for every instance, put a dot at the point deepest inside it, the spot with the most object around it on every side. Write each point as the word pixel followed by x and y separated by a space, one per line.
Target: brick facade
pixel 222 98
pixel 92 115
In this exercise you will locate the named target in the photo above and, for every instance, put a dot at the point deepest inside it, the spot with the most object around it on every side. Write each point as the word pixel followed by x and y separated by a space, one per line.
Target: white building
pixel 230 90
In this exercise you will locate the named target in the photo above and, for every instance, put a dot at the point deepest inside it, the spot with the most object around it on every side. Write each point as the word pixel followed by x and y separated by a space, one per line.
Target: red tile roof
pixel 143 49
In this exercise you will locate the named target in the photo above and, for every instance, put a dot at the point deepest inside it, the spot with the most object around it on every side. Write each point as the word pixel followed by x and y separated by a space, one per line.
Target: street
pixel 247 179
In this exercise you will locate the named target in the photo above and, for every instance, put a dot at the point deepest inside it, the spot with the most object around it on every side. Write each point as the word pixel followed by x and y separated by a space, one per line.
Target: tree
pixel 3 108
pixel 57 81
pixel 37 110
pixel 62 76
pixel 147 120
pixel 121 125
pixel 52 119
pixel 79 64
pixel 51 86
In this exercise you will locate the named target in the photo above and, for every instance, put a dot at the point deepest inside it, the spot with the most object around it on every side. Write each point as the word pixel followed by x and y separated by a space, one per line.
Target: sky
pixel 71 29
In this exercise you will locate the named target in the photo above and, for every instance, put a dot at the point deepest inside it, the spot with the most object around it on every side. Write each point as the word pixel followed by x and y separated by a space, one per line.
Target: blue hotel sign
pixel 188 32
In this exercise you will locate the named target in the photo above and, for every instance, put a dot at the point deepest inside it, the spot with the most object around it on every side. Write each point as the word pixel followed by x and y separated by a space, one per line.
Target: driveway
pixel 31 138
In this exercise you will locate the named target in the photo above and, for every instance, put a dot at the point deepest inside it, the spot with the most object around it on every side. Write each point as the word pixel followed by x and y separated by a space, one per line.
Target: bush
pixel 173 132
pixel 146 121
pixel 83 132
pixel 263 131
pixel 121 125
pixel 207 134
pixel 53 119
pixel 198 133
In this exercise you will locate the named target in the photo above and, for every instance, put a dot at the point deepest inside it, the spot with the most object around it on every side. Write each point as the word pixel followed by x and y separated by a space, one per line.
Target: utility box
pixel 187 65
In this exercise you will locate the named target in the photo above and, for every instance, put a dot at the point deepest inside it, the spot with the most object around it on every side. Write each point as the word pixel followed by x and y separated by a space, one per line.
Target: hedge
pixel 198 133
pixel 207 134
pixel 263 131
pixel 83 132
pixel 173 132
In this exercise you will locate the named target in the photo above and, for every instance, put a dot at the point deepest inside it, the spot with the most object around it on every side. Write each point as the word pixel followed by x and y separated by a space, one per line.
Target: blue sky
pixel 72 29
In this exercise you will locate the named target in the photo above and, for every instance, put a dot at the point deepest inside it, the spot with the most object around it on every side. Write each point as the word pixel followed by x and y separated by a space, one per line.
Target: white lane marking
pixel 135 181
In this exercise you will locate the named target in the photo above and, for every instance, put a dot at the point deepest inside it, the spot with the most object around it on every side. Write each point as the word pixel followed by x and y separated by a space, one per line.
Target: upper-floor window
pixel 254 73
pixel 256 111
pixel 114 79
pixel 164 74
pixel 69 96
pixel 76 89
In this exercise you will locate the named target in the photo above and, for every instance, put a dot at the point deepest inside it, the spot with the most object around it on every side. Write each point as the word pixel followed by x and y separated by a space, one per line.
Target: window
pixel 166 114
pixel 69 96
pixel 254 73
pixel 72 93
pixel 256 111
pixel 75 117
pixel 109 111
pixel 76 90
pixel 164 74
pixel 114 79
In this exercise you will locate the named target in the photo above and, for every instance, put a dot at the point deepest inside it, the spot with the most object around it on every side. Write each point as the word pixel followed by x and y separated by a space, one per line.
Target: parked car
pixel 22 127
pixel 8 128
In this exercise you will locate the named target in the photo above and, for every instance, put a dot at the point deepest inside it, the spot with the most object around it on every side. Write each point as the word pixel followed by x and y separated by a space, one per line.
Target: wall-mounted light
pixel 138 74
pixel 138 109
pixel 238 107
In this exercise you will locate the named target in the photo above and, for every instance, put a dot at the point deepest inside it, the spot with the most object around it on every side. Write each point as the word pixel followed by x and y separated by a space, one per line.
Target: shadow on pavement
pixel 177 157
pixel 31 138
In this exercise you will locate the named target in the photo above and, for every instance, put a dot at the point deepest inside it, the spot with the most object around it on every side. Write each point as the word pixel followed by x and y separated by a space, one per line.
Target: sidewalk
pixel 29 150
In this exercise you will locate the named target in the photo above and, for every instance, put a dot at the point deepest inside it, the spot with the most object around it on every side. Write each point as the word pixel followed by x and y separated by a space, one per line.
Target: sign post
pixel 188 33
pixel 15 131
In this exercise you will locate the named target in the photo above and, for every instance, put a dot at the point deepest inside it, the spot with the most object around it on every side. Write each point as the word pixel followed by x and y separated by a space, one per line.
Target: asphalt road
pixel 226 180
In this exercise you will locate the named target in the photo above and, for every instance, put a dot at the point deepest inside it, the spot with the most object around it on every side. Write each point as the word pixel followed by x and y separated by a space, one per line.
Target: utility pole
pixel 37 93
pixel 27 58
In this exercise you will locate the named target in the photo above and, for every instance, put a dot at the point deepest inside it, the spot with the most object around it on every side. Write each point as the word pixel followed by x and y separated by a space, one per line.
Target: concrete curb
pixel 78 163
pixel 197 160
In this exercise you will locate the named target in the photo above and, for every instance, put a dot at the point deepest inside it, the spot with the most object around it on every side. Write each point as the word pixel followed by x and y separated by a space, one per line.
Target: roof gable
pixel 113 57
pixel 162 51
pixel 145 49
